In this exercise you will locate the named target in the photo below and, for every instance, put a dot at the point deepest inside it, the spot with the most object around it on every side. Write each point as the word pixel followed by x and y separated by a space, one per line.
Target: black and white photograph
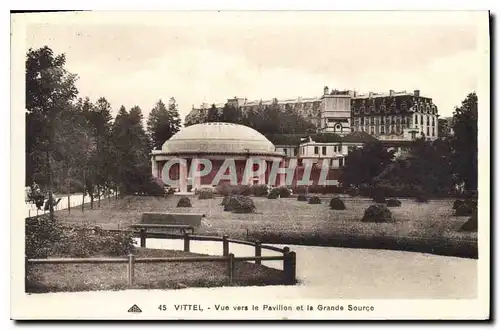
pixel 258 165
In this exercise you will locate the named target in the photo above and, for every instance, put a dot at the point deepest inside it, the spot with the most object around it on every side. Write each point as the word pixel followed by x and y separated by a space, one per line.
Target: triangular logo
pixel 135 309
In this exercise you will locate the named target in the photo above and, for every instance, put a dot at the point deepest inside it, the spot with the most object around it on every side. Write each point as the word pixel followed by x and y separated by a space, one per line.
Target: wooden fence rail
pixel 288 257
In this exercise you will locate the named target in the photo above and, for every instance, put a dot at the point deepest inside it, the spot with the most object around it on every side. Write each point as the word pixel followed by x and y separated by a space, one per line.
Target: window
pixel 427 117
pixel 416 119
pixel 323 151
pixel 382 130
pixel 331 120
pixel 433 131
pixel 316 150
pixel 295 151
pixel 372 130
pixel 427 131
pixel 341 162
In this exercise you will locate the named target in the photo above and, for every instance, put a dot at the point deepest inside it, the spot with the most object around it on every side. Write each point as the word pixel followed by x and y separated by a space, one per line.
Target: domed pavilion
pixel 216 142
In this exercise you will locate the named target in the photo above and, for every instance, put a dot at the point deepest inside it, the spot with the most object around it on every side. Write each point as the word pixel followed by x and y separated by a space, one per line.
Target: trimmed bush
pixel 283 192
pixel 205 194
pixel 470 224
pixel 314 200
pixel 377 213
pixel 184 202
pixel 224 201
pixel 465 208
pixel 393 202
pixel 272 195
pixel 239 204
pixel 302 198
pixel 259 190
pixel 337 204
pixel 226 189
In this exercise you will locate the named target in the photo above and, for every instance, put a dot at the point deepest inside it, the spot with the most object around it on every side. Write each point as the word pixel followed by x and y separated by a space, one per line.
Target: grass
pixel 92 277
pixel 424 227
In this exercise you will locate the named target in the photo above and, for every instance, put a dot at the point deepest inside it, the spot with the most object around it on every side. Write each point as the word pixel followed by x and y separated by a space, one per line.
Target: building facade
pixel 395 116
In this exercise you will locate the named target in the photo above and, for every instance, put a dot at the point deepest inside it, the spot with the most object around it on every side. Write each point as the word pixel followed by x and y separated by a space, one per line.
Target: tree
pixel 163 123
pixel 132 150
pixel 363 165
pixel 464 142
pixel 50 90
pixel 213 114
pixel 101 165
pixel 427 168
pixel 231 114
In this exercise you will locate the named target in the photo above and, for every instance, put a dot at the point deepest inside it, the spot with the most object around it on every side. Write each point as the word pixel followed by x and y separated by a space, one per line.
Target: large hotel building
pixel 393 116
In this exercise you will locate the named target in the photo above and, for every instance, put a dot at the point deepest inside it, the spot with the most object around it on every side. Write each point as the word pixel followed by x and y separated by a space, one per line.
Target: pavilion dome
pixel 218 138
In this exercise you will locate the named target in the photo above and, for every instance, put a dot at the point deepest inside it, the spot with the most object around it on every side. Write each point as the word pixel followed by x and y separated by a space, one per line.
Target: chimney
pixel 416 93
pixel 325 90
pixel 370 94
pixel 391 92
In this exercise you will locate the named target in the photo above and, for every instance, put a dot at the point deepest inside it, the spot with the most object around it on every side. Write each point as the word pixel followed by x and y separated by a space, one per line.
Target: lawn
pixel 93 277
pixel 427 227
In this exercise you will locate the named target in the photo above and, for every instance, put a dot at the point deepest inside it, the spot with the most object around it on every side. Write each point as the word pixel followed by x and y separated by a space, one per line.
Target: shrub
pixel 224 201
pixel 205 194
pixel 283 192
pixel 465 208
pixel 45 238
pixel 151 187
pixel 377 213
pixel 393 202
pixel 184 202
pixel 239 204
pixel 470 224
pixel 259 190
pixel 272 195
pixel 337 204
pixel 302 198
pixel 42 234
pixel 457 203
pixel 226 189
pixel 314 200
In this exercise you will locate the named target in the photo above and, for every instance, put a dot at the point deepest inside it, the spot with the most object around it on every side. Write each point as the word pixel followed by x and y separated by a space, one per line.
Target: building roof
pixel 359 137
pixel 218 138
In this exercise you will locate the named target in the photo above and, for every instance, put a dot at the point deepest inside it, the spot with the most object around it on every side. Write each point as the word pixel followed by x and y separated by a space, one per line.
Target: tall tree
pixel 132 149
pixel 464 142
pixel 163 123
pixel 99 120
pixel 50 90
pixel 213 114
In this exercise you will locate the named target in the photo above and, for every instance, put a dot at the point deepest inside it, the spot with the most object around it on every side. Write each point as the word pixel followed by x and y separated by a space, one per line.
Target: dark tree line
pixel 75 145
pixel 267 119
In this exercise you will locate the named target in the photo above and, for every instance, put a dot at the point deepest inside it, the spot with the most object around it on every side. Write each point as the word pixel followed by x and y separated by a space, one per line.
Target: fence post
pixel 230 268
pixel 186 242
pixel 131 260
pixel 225 246
pixel 143 237
pixel 258 252
pixel 289 265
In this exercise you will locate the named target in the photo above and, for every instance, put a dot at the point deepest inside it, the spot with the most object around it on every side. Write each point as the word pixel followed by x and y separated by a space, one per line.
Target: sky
pixel 139 58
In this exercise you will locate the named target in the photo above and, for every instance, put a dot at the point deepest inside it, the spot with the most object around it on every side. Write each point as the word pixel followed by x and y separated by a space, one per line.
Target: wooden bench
pixel 183 228
pixel 164 218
